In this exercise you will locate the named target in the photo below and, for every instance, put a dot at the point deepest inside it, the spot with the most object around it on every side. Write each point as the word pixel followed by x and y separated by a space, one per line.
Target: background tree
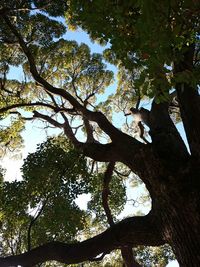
pixel 156 46
pixel 41 207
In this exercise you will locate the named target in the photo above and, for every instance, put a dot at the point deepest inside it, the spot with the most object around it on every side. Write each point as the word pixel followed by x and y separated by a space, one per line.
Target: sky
pixel 34 134
pixel 173 264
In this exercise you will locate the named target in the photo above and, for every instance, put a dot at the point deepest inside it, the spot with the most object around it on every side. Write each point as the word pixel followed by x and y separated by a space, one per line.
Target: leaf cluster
pixel 44 199
pixel 132 29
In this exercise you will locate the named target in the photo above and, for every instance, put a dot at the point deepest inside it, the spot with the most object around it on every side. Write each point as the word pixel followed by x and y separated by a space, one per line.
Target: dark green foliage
pixel 55 168
pixel 55 8
pixel 132 28
pixel 53 177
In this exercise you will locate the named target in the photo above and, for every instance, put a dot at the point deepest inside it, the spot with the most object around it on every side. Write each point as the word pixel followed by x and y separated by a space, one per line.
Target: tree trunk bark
pixel 181 227
pixel 176 204
pixel 183 238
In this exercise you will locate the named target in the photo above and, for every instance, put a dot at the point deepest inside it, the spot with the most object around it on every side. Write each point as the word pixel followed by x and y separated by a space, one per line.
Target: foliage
pixel 53 177
pixel 67 64
pixel 10 136
pixel 132 28
pixel 154 256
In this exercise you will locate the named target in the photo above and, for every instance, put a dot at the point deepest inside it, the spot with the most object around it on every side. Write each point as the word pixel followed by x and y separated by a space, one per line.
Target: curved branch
pixel 96 151
pixel 126 251
pixel 20 105
pixel 106 191
pixel 132 231
pixel 100 152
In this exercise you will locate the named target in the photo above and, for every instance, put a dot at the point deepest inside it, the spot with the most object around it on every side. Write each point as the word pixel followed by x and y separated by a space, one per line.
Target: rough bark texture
pixel 170 173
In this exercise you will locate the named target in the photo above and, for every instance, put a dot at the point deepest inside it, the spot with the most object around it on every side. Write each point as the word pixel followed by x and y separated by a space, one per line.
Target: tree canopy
pixel 155 47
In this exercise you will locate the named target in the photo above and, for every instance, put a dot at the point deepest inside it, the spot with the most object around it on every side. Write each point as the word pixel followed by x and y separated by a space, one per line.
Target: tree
pixel 156 47
pixel 41 207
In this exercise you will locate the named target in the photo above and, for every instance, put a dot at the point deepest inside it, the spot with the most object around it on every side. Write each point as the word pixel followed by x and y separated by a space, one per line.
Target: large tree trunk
pixel 178 209
pixel 174 185
pixel 181 230
pixel 184 238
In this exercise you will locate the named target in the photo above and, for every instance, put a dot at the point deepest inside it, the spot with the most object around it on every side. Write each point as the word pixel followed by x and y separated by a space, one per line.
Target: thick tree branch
pixel 100 152
pixel 96 151
pixel 132 231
